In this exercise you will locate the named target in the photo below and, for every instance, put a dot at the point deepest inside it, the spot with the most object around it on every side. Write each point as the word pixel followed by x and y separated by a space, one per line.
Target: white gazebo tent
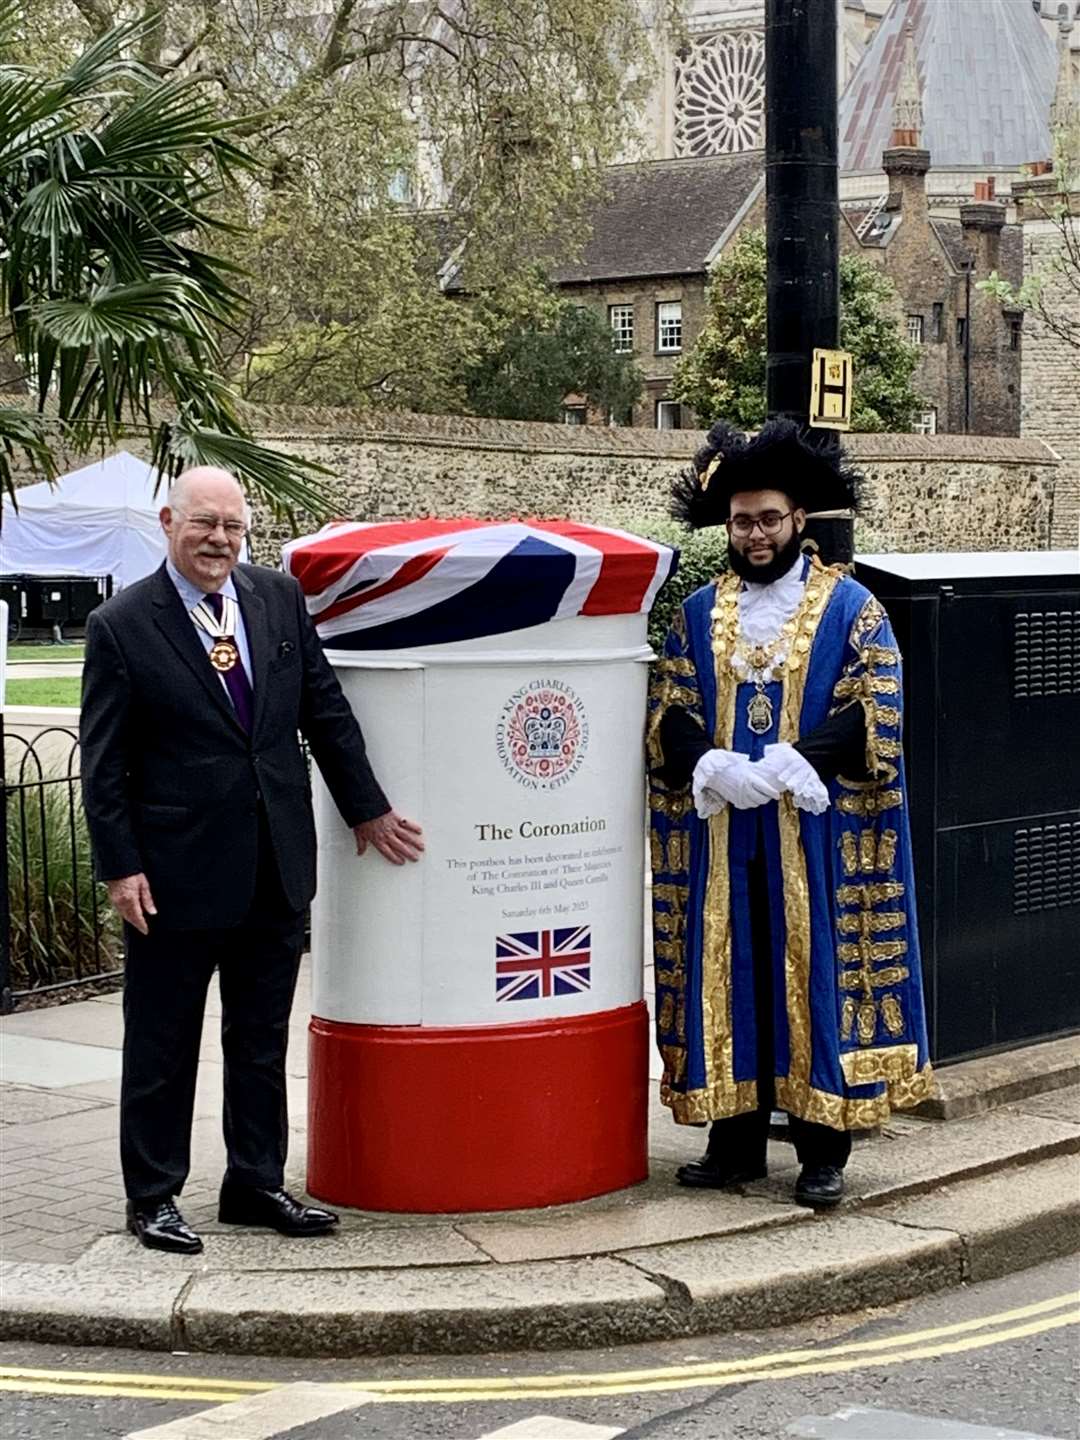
pixel 100 520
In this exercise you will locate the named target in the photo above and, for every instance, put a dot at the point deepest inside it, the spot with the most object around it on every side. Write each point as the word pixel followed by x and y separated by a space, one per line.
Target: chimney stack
pixel 905 161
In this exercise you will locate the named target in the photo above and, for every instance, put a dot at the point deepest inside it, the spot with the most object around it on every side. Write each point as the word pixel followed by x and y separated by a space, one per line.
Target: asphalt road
pixel 1004 1355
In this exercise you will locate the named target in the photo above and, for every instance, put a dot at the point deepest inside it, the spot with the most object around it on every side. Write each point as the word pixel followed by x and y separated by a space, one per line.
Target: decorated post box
pixel 479 1039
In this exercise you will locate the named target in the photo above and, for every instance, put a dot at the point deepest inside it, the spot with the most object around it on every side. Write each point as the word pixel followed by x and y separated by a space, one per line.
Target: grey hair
pixel 180 488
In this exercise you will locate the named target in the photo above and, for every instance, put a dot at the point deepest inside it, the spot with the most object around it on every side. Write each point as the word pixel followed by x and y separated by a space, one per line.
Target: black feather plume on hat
pixel 779 457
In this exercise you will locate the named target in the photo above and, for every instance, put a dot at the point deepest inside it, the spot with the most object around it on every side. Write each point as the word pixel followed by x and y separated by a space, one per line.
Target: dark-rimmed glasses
pixel 770 523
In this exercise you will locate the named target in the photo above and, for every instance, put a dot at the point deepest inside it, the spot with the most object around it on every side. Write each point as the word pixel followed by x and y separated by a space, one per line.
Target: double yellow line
pixel 955 1339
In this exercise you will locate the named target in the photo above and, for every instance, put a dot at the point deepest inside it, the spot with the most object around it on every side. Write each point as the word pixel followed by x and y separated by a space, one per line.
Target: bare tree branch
pixel 97 15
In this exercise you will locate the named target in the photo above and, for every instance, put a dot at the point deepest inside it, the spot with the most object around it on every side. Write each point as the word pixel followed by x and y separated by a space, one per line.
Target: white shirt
pixel 191 596
pixel 764 609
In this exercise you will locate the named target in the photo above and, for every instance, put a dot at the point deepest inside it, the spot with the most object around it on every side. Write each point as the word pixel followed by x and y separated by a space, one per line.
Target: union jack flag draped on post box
pixel 424 582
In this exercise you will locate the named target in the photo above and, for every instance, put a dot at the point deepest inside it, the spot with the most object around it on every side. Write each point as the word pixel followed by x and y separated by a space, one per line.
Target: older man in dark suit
pixel 196 684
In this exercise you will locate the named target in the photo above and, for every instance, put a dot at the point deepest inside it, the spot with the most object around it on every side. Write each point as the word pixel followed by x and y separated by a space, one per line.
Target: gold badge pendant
pixel 224 654
pixel 759 713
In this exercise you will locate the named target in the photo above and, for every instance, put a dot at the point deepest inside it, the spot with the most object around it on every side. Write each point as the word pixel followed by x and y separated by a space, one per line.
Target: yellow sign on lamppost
pixel 832 372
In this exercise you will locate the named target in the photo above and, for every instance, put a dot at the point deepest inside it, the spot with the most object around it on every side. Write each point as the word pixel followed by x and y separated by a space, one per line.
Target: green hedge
pixel 702 557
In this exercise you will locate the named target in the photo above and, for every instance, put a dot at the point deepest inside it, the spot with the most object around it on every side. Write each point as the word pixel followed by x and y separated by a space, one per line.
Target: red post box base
pixel 499 1117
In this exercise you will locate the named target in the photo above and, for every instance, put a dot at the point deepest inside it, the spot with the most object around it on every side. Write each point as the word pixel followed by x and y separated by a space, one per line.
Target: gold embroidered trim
pixel 819 590
pixel 674 895
pixel 668 950
pixel 866 686
pixel 678 852
pixel 822 1108
pixel 890 975
pixel 888 715
pixel 892 1014
pixel 869 894
pixel 870 803
pixel 888 1062
pixel 677 665
pixel 675 805
pixel 866 922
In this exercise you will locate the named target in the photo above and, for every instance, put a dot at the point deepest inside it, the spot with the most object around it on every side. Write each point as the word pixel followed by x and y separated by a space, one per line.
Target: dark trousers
pixel 742 1140
pixel 166 978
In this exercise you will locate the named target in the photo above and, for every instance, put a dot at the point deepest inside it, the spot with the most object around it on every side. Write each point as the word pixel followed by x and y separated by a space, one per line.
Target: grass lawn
pixel 42 654
pixel 62 691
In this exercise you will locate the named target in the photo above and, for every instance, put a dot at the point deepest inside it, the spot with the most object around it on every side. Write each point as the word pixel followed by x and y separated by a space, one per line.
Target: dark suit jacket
pixel 171 782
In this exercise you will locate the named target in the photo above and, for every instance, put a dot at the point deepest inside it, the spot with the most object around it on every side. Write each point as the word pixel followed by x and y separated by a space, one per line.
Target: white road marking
pixel 858 1422
pixel 550 1427
pixel 260 1417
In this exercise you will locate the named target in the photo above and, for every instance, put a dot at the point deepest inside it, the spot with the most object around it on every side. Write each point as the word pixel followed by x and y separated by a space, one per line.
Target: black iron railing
pixel 57 929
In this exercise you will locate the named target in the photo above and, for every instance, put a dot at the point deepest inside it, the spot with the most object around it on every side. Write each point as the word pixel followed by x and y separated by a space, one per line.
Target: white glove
pixel 789 770
pixel 725 777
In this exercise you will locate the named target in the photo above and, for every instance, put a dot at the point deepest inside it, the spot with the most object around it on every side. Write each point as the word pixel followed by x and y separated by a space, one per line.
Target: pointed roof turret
pixel 987 74
pixel 907 112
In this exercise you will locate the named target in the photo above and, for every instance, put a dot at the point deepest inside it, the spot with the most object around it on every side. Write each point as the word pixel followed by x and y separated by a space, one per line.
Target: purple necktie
pixel 236 680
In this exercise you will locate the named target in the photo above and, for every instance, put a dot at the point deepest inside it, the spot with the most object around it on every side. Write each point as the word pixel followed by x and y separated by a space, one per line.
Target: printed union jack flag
pixel 540 963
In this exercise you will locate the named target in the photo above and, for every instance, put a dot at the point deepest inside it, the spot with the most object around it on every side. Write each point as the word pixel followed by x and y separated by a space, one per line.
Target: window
pixel 926 424
pixel 1015 329
pixel 668 415
pixel 961 331
pixel 937 325
pixel 573 414
pixel 914 329
pixel 622 327
pixel 669 326
pixel 623 416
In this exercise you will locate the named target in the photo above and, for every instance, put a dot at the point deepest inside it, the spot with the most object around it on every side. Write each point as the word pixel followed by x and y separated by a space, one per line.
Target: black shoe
pixel 819 1186
pixel 710 1173
pixel 159 1225
pixel 276 1209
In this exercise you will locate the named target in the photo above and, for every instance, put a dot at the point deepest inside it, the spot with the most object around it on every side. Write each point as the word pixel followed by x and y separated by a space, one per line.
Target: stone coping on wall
pixel 283 423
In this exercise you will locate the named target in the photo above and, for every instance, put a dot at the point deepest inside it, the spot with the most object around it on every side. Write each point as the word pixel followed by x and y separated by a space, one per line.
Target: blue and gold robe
pixel 848 1022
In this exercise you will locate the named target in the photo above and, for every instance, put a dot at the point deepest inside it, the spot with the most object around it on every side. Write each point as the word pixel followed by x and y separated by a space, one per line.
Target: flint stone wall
pixel 940 492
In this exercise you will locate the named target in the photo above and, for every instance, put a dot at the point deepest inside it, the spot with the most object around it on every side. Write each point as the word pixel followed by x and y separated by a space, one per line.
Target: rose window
pixel 720 94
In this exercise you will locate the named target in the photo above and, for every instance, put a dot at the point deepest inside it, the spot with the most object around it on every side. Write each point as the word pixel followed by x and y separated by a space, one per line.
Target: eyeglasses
pixel 770 523
pixel 207 524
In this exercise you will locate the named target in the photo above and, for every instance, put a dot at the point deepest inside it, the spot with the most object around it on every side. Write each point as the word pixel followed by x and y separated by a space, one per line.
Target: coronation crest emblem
pixel 542 734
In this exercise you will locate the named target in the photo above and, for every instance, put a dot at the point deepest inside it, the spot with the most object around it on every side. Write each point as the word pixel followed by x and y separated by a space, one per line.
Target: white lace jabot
pixel 763 609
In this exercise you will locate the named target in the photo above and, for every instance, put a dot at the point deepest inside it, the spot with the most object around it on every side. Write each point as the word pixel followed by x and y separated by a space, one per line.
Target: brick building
pixel 660 225
pixel 655 231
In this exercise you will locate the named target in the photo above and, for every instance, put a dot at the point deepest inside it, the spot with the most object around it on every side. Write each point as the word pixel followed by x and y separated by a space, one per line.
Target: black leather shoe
pixel 819 1186
pixel 275 1209
pixel 159 1225
pixel 711 1173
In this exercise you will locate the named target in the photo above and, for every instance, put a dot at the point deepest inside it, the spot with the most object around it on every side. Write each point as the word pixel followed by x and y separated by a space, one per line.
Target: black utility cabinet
pixel 991 648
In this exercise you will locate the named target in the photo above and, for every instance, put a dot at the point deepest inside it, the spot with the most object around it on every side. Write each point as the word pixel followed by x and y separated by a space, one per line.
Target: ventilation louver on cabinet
pixel 1046 653
pixel 1046 867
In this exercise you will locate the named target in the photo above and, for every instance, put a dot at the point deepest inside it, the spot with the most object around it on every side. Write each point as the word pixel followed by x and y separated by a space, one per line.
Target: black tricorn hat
pixel 779 457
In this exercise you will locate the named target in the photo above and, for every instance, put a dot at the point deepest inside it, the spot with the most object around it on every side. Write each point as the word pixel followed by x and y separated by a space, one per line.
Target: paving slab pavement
pixel 931 1202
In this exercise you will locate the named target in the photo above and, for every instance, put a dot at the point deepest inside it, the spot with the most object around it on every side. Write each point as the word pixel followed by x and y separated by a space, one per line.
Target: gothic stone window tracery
pixel 720 93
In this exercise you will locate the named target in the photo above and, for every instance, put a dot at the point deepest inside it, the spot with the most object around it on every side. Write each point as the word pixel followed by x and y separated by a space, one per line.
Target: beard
pixel 771 570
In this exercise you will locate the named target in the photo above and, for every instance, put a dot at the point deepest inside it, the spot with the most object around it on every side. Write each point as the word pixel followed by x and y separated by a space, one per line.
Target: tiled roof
pixel 988 70
pixel 663 217
pixel 1011 255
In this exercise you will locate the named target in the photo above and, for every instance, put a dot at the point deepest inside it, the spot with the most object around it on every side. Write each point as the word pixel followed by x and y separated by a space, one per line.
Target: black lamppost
pixel 802 215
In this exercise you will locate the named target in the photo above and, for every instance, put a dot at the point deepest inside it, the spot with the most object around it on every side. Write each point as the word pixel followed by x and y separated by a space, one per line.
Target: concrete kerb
pixel 972 1228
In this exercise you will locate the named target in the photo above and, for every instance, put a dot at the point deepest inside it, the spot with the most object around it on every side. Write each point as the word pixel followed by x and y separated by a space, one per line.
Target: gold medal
pixel 224 654
pixel 759 713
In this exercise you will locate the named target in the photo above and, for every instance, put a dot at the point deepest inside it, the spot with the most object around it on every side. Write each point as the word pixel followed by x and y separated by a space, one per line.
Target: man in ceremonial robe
pixel 197 684
pixel 786 951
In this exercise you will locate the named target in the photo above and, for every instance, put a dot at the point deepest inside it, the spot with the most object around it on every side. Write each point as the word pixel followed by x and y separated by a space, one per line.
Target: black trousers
pixel 166 977
pixel 742 1140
